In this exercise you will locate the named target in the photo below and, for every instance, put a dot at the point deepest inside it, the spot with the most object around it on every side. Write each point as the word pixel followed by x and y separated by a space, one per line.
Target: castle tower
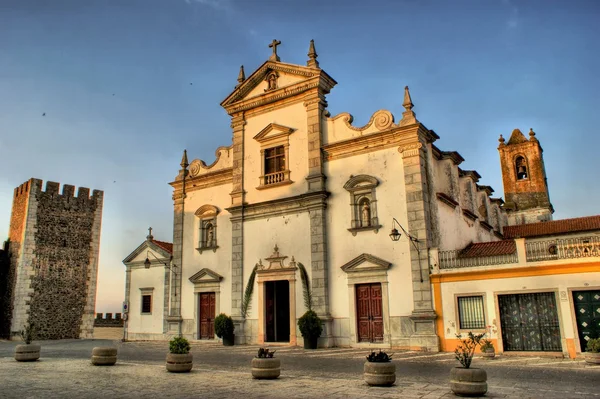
pixel 54 240
pixel 524 178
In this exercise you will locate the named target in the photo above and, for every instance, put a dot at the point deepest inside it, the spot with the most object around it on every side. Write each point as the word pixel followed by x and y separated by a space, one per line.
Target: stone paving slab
pixel 77 378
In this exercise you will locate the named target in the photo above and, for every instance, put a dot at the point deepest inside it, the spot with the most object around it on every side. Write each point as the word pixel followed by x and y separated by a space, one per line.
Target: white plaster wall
pixel 457 231
pixel 517 285
pixel 291 233
pixel 293 116
pixel 146 278
pixel 386 166
pixel 194 261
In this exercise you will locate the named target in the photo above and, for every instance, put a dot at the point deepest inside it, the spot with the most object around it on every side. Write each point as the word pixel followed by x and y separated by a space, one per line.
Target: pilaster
pixel 315 105
pixel 414 158
pixel 237 194
pixel 174 315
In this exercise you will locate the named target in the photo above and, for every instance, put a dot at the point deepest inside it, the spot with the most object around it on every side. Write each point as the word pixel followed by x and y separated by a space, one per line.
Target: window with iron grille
pixel 470 312
pixel 146 303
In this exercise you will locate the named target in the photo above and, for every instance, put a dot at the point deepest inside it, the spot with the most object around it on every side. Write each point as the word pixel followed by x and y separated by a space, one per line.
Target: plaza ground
pixel 64 371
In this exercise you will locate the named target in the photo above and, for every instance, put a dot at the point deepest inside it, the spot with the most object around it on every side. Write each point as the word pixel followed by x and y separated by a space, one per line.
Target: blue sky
pixel 126 85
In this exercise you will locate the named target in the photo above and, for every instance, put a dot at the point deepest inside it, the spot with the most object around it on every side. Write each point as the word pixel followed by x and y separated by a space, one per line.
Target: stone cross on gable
pixel 273 45
pixel 150 236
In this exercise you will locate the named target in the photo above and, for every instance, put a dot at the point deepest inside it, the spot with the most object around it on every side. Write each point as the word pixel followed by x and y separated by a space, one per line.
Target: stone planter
pixel 104 356
pixel 229 341
pixel 468 382
pixel 310 342
pixel 593 358
pixel 179 362
pixel 380 374
pixel 27 352
pixel 488 353
pixel 266 368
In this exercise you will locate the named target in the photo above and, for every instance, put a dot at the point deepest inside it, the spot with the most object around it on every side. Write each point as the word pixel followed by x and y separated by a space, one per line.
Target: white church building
pixel 300 186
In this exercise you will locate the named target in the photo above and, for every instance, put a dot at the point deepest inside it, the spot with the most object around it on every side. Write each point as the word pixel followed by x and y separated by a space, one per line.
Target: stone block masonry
pixel 54 245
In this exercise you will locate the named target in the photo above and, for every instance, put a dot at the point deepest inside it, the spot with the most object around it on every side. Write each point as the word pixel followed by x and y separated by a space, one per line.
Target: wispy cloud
pixel 513 19
pixel 216 4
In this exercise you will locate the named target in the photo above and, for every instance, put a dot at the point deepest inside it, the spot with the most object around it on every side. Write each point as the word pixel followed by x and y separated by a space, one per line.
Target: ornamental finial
pixel 312 56
pixel 241 77
pixel 184 160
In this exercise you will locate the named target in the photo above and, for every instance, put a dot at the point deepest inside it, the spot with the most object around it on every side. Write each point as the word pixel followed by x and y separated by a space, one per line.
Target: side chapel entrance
pixel 276 299
pixel 206 318
pixel 369 313
pixel 277 311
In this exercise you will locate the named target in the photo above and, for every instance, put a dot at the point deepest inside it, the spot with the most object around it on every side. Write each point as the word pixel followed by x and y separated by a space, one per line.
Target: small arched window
pixel 521 168
pixel 208 227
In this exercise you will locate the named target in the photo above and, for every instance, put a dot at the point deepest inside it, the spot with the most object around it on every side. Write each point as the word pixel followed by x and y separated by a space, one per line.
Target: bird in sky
pixel 44 114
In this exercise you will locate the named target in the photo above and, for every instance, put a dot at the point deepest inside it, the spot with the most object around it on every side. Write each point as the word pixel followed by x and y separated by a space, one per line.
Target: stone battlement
pixel 53 188
pixel 107 320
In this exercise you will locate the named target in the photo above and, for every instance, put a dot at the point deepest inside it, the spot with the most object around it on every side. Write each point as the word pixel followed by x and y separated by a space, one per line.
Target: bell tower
pixel 524 177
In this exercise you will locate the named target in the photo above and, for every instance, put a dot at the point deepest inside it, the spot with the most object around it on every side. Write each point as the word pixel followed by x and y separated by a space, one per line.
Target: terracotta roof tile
pixel 494 248
pixel 167 246
pixel 553 227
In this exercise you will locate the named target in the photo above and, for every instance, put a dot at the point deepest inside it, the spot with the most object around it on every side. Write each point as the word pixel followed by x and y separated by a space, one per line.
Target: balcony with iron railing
pixel 562 248
pixel 527 252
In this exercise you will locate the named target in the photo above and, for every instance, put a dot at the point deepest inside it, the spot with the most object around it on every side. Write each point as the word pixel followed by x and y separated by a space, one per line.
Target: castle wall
pixel 56 261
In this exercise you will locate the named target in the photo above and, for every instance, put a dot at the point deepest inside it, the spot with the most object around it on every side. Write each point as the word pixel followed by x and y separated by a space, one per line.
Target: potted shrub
pixel 379 369
pixel 28 352
pixel 467 381
pixel 179 358
pixel 311 328
pixel 265 366
pixel 592 354
pixel 487 349
pixel 224 329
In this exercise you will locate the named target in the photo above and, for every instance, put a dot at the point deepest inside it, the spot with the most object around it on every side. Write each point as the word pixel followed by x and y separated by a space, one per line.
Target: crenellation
pixel 52 187
pixel 83 193
pixel 68 190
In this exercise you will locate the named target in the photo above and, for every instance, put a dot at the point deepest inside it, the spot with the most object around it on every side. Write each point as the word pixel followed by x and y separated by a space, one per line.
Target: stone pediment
pixel 206 276
pixel 273 131
pixel 287 80
pixel 366 262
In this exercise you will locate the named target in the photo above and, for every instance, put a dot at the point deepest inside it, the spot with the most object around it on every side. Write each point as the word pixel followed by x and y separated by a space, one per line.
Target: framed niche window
pixel 207 226
pixel 274 142
pixel 146 300
pixel 363 203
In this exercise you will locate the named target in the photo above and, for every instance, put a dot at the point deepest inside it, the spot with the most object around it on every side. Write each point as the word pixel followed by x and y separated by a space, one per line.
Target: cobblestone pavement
pixel 64 371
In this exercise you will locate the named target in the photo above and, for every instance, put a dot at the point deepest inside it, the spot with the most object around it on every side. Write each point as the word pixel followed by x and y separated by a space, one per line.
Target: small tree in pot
pixel 310 324
pixel 265 366
pixel 592 354
pixel 311 327
pixel 28 352
pixel 487 349
pixel 379 369
pixel 179 358
pixel 224 328
pixel 467 381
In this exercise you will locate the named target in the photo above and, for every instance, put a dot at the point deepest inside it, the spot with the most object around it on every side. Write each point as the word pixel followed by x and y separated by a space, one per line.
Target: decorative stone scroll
pixel 410 150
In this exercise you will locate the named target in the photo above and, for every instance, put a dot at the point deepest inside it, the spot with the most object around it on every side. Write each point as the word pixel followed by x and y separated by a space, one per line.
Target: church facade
pixel 366 210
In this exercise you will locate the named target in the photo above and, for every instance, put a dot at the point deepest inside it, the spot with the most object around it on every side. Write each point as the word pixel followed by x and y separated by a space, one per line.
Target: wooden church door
pixel 369 312
pixel 207 315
